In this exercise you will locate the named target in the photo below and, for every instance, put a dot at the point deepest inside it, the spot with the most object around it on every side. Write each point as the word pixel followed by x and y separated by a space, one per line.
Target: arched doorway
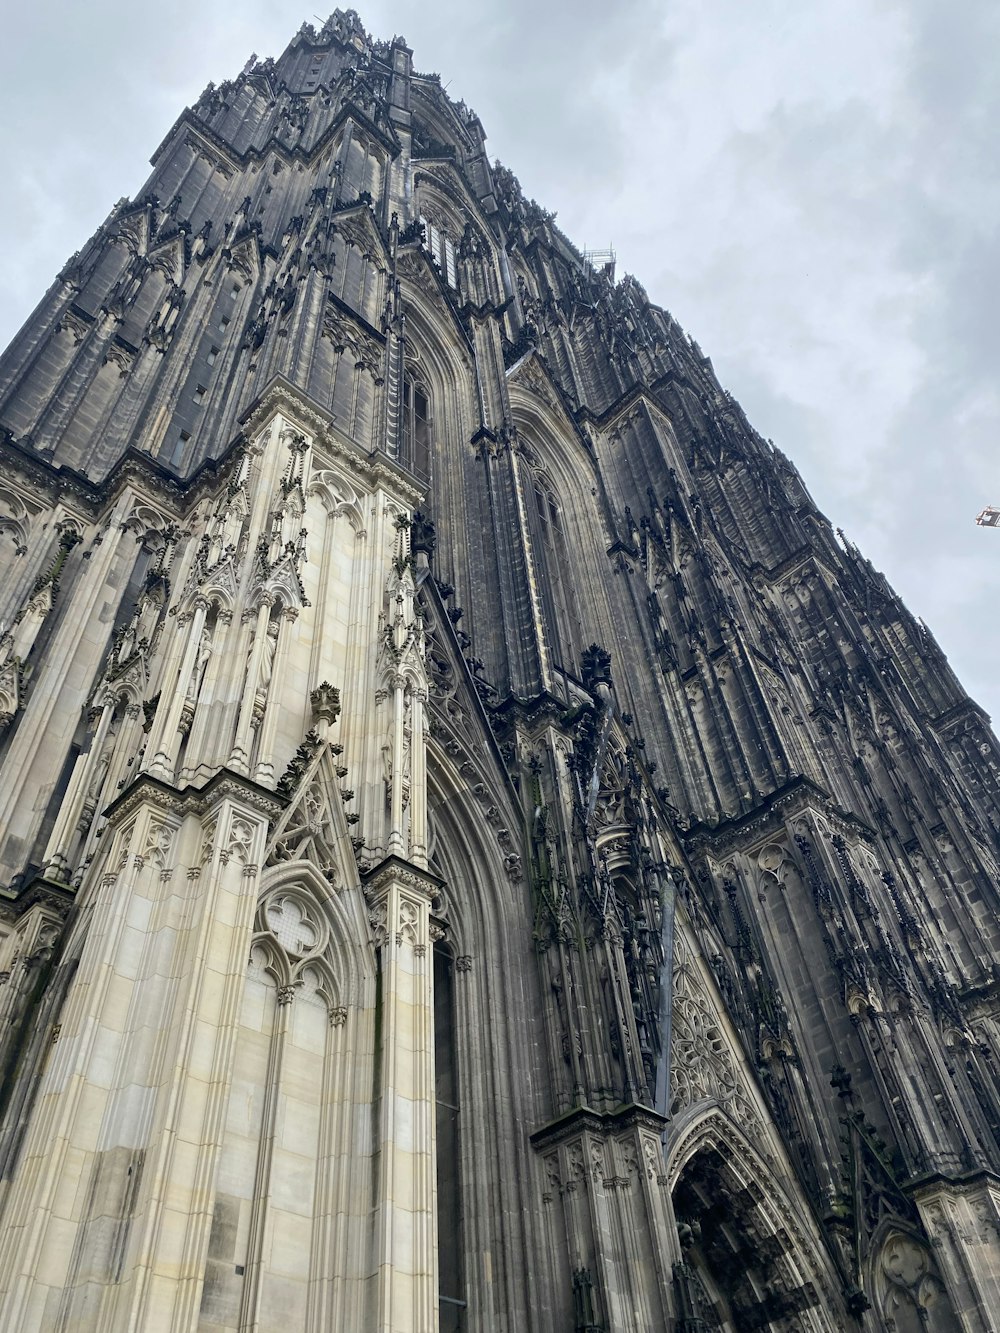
pixel 749 1265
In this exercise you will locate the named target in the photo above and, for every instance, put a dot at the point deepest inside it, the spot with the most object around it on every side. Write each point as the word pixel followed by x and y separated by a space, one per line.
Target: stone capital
pixel 394 872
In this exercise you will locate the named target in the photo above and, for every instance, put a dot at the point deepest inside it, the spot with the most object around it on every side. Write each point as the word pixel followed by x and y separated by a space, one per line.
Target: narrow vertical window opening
pixel 416 429
pixel 441 249
pixel 451 1257
pixel 566 636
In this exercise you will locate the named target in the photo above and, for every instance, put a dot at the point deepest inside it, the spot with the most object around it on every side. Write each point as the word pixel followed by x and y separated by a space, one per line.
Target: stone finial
pixel 325 700
pixel 596 664
pixel 423 537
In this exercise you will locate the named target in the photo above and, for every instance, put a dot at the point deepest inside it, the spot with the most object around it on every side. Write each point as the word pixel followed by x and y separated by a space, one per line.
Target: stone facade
pixel 479 852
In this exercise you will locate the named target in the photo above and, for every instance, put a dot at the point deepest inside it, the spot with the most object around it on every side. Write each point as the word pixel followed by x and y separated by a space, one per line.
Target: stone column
pixel 256 1261
pixel 264 770
pixel 239 760
pixel 404 1276
pixel 418 780
pixel 166 746
pixel 397 846
pixel 64 833
pixel 200 757
pixel 607 1209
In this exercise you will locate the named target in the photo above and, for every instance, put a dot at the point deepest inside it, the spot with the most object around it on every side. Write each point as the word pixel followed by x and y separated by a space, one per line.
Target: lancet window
pixel 416 427
pixel 563 612
pixel 441 248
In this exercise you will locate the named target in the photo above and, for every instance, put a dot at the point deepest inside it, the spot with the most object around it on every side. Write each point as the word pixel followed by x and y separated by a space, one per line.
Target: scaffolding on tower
pixel 600 261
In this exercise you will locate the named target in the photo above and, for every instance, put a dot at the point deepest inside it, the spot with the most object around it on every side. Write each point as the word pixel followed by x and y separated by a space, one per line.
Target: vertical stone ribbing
pixel 404 1278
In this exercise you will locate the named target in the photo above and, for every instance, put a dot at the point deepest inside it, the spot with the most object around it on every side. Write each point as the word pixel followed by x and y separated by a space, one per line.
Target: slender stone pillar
pixel 396 839
pixel 165 753
pixel 64 832
pixel 404 1280
pixel 239 760
pixel 418 780
pixel 266 758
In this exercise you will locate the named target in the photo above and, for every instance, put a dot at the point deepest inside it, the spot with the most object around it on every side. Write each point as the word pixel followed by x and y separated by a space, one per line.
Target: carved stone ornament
pixel 909 1285
pixel 325 701
pixel 408 924
pixel 378 917
pixel 703 1066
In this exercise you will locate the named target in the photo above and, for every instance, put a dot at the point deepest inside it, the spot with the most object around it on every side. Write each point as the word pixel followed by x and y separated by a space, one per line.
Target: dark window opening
pixel 566 636
pixel 441 248
pixel 451 1258
pixel 180 447
pixel 416 429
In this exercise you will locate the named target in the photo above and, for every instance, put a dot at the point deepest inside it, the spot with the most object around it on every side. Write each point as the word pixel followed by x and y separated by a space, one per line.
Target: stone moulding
pixel 394 870
pixel 194 800
pixel 585 1118
pixel 799 795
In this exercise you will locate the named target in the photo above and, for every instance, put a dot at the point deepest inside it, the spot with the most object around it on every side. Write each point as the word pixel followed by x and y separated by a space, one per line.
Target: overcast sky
pixel 810 186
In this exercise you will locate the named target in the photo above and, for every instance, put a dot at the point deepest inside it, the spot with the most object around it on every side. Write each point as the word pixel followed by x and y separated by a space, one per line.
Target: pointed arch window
pixel 441 248
pixel 416 427
pixel 562 611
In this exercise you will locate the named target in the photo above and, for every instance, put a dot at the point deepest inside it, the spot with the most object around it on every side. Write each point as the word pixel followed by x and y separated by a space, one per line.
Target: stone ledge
pixel 585 1118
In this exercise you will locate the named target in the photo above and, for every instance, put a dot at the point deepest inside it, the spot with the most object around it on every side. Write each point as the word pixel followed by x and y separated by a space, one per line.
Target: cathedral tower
pixel 477 850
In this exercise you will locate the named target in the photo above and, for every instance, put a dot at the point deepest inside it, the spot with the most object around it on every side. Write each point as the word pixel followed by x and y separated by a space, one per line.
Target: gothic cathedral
pixel 478 852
